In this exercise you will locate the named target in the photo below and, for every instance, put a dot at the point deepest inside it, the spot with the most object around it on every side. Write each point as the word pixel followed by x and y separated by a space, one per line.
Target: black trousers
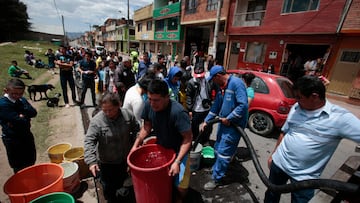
pixel 21 151
pixel 88 83
pixel 197 119
pixel 65 78
pixel 112 178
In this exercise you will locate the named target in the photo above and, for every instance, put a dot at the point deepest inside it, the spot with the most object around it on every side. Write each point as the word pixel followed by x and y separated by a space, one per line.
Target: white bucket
pixel 71 178
pixel 195 158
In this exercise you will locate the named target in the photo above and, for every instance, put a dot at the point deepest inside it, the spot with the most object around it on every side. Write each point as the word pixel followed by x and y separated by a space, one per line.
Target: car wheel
pixel 260 123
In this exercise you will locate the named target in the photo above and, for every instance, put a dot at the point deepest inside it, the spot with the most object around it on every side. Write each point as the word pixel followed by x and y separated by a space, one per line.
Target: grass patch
pixel 15 51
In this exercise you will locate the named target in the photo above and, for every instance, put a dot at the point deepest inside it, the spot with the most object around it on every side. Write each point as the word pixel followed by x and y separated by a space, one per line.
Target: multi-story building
pixel 115 36
pixel 98 34
pixel 168 33
pixel 344 73
pixel 199 17
pixel 125 33
pixel 144 28
pixel 278 32
pixel 109 36
pixel 287 33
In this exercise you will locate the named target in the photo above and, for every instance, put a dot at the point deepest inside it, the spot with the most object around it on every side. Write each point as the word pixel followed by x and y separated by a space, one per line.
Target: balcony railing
pixel 249 19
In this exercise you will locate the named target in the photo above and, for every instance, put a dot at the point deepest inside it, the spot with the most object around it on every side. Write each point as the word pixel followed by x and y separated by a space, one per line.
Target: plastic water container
pixel 56 152
pixel 149 166
pixel 55 197
pixel 71 180
pixel 195 158
pixel 76 154
pixel 150 140
pixel 34 181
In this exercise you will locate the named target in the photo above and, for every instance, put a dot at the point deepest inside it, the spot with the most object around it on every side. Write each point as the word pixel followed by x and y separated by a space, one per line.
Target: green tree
pixel 13 20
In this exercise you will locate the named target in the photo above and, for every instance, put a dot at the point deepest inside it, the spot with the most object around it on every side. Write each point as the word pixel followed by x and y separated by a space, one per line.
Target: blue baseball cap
pixel 215 70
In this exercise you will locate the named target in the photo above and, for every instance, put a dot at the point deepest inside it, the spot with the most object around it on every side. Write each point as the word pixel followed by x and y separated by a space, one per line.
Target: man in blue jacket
pixel 88 71
pixel 15 117
pixel 143 66
pixel 231 106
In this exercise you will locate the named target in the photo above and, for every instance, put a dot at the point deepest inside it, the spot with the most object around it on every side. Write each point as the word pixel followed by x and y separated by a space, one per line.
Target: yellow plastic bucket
pixel 56 152
pixel 76 154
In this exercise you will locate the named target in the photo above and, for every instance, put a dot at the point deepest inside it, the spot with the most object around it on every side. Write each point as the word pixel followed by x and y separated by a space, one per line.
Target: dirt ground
pixel 64 127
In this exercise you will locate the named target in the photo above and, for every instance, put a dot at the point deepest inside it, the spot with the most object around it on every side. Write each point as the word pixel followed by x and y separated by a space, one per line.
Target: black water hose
pixel 209 123
pixel 327 184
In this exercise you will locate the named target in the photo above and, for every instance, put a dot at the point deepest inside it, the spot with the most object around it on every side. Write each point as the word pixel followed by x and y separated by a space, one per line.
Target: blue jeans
pixel 279 177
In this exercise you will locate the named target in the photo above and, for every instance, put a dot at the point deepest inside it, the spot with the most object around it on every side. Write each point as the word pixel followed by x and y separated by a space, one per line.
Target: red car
pixel 274 97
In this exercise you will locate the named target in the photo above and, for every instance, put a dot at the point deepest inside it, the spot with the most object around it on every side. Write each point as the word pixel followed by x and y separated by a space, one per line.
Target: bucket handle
pixel 74 159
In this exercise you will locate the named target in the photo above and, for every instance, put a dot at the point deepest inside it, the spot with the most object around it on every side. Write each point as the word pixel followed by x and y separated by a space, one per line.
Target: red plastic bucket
pixel 34 181
pixel 150 140
pixel 149 166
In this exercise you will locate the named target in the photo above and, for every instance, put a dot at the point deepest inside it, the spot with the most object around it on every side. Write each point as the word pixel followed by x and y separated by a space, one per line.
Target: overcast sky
pixel 79 15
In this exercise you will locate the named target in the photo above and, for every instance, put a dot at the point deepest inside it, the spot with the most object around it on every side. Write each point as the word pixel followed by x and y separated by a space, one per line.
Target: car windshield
pixel 286 87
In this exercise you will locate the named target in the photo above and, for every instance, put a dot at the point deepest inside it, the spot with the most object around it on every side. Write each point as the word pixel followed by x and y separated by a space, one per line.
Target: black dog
pixel 54 101
pixel 33 89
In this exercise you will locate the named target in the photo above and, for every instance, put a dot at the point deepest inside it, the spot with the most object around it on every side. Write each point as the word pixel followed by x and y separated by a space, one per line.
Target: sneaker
pixel 123 192
pixel 67 105
pixel 211 185
pixel 78 103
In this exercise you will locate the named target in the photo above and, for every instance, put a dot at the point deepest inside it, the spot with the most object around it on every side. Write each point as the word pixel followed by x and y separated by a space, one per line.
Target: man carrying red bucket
pixel 171 125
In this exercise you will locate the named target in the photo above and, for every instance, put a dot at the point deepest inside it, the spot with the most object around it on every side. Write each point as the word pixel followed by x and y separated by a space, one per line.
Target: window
pixel 139 27
pixel 259 86
pixel 131 31
pixel 255 10
pixel 286 87
pixel 190 6
pixel 159 25
pixel 350 56
pixel 149 25
pixel 255 52
pixel 221 27
pixel 212 5
pixel 172 24
pixel 292 6
pixel 235 48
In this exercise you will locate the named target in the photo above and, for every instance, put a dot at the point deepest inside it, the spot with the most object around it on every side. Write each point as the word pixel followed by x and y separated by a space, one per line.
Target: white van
pixel 99 49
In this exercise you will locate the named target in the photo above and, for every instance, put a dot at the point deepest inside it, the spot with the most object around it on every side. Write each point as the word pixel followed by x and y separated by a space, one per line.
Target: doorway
pixel 346 69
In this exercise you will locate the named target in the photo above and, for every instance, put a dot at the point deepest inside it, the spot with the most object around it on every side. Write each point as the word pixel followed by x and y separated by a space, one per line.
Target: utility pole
pixel 216 31
pixel 128 27
pixel 62 20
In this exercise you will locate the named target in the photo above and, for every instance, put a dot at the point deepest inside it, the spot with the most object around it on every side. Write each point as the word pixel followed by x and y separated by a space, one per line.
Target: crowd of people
pixel 175 104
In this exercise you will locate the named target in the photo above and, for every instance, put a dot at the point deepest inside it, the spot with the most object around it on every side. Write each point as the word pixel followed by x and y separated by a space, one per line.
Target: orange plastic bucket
pixel 34 181
pixel 149 165
pixel 56 152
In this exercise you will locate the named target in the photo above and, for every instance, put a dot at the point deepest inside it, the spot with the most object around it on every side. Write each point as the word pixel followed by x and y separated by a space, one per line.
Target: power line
pixel 57 11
